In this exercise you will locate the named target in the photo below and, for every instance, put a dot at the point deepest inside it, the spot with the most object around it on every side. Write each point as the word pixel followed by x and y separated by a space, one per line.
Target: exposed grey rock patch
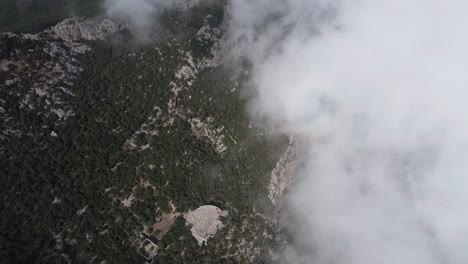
pixel 205 222
pixel 39 74
pixel 215 136
pixel 79 29
pixel 38 71
pixel 283 174
pixel 82 210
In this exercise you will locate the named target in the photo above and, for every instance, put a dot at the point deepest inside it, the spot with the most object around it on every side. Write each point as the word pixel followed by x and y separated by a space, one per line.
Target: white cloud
pixel 382 84
pixel 142 14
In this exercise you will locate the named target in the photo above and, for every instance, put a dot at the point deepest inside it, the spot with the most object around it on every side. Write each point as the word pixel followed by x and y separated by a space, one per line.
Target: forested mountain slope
pixel 109 144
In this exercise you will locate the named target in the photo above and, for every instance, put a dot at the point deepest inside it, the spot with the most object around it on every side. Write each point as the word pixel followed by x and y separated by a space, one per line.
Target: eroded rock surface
pixel 38 71
pixel 76 29
pixel 285 170
pixel 205 222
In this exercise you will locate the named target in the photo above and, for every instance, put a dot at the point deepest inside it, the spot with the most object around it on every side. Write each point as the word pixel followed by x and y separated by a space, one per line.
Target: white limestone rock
pixel 205 222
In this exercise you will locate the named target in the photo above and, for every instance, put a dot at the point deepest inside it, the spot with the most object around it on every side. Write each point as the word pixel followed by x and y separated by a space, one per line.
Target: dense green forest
pixel 62 195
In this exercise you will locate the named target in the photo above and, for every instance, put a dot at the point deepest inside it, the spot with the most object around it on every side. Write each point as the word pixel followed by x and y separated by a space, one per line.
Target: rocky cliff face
pixel 79 30
pixel 36 78
pixel 37 72
pixel 283 174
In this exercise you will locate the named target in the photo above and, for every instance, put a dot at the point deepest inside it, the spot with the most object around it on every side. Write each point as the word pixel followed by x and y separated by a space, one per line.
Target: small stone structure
pixel 148 249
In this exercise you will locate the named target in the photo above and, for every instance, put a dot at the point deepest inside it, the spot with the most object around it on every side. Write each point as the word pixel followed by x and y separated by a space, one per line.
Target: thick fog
pixel 141 14
pixel 380 90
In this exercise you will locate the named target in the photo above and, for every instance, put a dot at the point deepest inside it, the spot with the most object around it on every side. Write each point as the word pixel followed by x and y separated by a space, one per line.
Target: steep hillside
pixel 108 145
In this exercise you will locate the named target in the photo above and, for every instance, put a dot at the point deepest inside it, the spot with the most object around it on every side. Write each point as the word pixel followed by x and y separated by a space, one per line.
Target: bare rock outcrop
pixel 205 222
pixel 78 29
pixel 283 174
pixel 38 71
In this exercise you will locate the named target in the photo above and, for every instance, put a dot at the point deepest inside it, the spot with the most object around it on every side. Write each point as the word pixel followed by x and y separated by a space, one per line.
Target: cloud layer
pixel 141 14
pixel 379 88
